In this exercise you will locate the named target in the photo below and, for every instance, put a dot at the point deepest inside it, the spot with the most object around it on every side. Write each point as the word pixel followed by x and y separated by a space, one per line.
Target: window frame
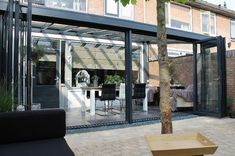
pixel 170 18
pixel 232 21
pixel 210 14
pixel 119 9
pixel 110 14
pixel 46 5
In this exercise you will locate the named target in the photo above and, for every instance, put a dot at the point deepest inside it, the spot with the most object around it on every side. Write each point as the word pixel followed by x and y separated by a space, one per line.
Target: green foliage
pixel 229 103
pixel 95 77
pixel 181 1
pixel 171 67
pixel 5 96
pixel 113 79
pixel 125 2
pixel 38 52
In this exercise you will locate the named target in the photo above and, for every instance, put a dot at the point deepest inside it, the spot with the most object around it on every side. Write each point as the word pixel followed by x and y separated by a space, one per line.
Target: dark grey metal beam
pixel 128 75
pixel 41 13
pixel 44 14
pixel 3 6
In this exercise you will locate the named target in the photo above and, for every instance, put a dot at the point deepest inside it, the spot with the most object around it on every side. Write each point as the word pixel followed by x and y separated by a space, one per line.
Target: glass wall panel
pixel 45 72
pixel 144 97
pixel 207 81
pixel 90 66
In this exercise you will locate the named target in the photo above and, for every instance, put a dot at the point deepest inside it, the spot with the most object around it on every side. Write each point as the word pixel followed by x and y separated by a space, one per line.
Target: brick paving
pixel 130 141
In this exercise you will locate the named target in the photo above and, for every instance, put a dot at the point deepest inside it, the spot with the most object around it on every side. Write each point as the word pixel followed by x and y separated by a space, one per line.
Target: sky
pixel 230 3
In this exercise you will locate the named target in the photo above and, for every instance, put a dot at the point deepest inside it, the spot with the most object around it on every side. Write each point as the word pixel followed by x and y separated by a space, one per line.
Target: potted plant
pixel 95 80
pixel 230 107
pixel 38 52
pixel 113 79
pixel 6 101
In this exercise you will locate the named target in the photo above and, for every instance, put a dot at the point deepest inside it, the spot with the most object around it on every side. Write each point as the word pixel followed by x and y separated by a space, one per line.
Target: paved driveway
pixel 130 141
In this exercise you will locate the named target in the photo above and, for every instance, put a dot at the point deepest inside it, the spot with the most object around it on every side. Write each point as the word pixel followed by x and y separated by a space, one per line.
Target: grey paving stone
pixel 130 141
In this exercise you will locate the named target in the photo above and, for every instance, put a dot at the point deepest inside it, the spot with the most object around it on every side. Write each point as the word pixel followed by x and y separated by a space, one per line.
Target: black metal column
pixel 223 78
pixel 9 43
pixel 195 102
pixel 29 50
pixel 16 48
pixel 128 75
pixel 1 47
pixel 4 45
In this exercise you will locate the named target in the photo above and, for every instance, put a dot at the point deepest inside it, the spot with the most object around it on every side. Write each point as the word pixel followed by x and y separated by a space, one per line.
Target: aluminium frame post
pixel 29 54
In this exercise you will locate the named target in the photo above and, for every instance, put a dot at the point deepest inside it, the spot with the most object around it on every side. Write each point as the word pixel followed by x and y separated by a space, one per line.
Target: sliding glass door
pixel 210 77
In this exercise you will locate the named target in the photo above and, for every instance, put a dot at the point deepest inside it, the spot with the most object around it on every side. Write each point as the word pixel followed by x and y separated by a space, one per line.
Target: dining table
pixel 92 99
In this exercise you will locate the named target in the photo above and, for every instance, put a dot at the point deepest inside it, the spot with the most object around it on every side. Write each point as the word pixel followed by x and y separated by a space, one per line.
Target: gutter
pixel 213 8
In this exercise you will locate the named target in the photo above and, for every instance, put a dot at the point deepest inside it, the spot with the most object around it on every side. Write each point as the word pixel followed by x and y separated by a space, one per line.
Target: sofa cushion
pixel 48 147
pixel 32 125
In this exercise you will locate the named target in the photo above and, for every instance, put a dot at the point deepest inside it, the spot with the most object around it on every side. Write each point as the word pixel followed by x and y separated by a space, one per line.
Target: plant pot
pixel 95 83
pixel 232 114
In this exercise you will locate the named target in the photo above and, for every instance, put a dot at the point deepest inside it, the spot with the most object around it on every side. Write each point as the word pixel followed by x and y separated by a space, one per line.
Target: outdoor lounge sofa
pixel 182 98
pixel 33 133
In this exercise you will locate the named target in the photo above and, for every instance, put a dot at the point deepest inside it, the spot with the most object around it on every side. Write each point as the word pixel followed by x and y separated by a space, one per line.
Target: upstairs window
pixel 208 23
pixel 178 16
pixel 113 8
pixel 233 29
pixel 78 5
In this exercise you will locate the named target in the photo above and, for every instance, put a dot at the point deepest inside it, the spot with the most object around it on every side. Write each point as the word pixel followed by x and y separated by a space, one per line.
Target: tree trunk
pixel 165 107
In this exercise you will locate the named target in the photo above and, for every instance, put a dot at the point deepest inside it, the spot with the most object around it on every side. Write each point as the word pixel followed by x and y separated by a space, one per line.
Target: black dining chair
pixel 139 92
pixel 108 93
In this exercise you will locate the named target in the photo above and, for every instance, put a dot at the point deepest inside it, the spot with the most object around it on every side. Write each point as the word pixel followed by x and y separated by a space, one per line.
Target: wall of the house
pixel 151 12
pixel 196 22
pixel 96 8
pixel 230 67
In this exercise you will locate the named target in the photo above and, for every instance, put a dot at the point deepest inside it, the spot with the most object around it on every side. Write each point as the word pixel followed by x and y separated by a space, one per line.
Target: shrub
pixel 5 97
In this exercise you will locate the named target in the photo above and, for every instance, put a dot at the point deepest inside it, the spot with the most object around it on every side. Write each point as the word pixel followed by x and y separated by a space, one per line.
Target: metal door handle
pixel 217 79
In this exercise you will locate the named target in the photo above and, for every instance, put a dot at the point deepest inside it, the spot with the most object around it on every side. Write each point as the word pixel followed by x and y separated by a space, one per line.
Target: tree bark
pixel 165 107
